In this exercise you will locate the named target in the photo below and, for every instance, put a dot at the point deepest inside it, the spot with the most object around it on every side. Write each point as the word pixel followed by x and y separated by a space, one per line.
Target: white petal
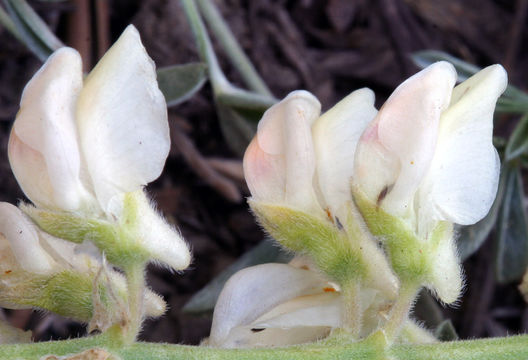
pixel 24 240
pixel 279 165
pixel 249 337
pixel 465 172
pixel 407 127
pixel 43 149
pixel 256 290
pixel 323 309
pixel 122 120
pixel 336 134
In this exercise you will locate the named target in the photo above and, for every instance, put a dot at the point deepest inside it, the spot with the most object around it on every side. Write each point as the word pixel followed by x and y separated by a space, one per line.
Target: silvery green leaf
pixel 427 310
pixel 445 331
pixel 518 142
pixel 237 128
pixel 32 29
pixel 512 229
pixel 178 83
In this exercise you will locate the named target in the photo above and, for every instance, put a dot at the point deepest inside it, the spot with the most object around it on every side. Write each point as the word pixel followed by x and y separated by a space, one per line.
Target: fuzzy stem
pixel 135 275
pixel 221 86
pixel 400 311
pixel 507 348
pixel 205 48
pixel 352 315
pixel 233 50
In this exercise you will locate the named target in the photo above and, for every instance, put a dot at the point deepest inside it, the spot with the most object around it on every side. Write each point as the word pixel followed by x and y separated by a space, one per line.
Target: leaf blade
pixel 178 83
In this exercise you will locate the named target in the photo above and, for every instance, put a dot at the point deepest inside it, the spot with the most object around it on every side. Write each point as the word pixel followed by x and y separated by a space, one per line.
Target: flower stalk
pixel 136 285
pixel 233 50
pixel 506 348
pixel 223 89
pixel 400 311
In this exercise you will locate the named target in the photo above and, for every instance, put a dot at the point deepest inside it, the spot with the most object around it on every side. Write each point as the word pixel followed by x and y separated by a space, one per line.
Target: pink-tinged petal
pixel 18 230
pixel 43 149
pixel 279 165
pixel 122 121
pixel 463 180
pixel 400 143
pixel 254 291
pixel 31 172
pixel 336 134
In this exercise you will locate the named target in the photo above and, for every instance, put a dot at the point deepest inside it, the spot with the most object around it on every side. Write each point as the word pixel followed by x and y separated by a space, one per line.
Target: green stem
pixel 10 26
pixel 352 315
pixel 514 347
pixel 205 48
pixel 400 311
pixel 135 275
pixel 243 99
pixel 233 50
pixel 222 88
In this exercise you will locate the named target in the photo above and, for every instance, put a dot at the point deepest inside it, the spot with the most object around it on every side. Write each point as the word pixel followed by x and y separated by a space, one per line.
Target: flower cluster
pixel 371 198
pixel 82 150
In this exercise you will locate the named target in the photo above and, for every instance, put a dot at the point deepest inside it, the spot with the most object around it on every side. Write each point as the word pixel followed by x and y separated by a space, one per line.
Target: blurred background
pixel 329 48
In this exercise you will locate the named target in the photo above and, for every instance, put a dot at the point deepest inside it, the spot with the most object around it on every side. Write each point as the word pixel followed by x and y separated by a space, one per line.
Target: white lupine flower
pixel 80 145
pixel 279 305
pixel 279 164
pixel 28 254
pixel 304 161
pixel 429 151
pixel 273 305
pixel 428 158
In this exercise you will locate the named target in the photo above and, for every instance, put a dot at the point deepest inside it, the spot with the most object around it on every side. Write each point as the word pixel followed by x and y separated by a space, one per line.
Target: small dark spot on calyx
pixel 338 223
pixel 383 194
pixel 256 330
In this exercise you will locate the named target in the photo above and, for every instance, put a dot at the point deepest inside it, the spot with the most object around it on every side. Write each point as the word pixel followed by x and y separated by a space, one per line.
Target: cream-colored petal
pixel 43 149
pixel 279 165
pixel 256 290
pixel 336 134
pixel 23 240
pixel 249 337
pixel 406 128
pixel 323 309
pixel 30 170
pixel 122 121
pixel 464 178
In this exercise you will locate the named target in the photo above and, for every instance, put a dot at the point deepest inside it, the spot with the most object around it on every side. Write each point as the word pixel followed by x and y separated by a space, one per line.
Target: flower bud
pixel 279 164
pixel 35 267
